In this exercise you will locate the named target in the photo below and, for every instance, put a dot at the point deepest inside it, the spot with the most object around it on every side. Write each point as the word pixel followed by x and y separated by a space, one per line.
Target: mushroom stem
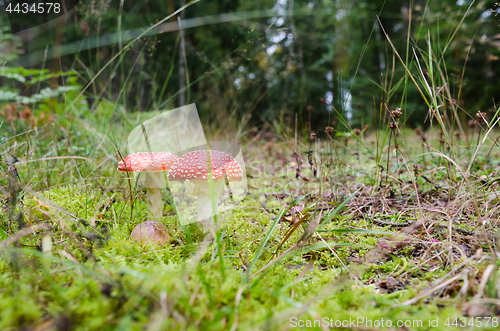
pixel 208 193
pixel 153 194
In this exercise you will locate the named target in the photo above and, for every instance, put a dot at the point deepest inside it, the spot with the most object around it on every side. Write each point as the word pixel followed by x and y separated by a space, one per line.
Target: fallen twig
pixel 24 232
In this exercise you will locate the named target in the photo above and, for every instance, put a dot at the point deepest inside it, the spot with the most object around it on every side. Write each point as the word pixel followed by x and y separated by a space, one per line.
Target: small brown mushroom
pixel 150 231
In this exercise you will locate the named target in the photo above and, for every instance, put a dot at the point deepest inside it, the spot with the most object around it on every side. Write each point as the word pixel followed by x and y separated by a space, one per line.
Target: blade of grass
pixel 258 254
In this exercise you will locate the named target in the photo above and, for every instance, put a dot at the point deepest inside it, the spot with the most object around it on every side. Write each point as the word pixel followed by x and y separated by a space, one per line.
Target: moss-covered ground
pixel 307 246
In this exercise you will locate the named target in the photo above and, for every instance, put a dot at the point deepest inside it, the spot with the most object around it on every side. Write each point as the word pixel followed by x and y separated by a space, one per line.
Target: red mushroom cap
pixel 148 162
pixel 194 166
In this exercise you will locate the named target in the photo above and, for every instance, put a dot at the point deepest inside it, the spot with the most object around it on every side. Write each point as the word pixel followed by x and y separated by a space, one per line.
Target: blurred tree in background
pixel 269 60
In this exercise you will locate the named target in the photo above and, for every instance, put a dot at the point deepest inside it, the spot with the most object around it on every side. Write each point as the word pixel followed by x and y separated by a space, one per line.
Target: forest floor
pixel 327 239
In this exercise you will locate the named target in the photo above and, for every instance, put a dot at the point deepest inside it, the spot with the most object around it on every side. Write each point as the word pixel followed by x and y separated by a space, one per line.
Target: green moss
pixel 96 278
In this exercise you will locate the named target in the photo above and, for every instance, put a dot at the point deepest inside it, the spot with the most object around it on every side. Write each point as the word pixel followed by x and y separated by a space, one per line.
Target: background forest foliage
pixel 269 59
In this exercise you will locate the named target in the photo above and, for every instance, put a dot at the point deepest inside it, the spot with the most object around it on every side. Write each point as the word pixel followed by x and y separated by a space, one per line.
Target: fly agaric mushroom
pixel 151 164
pixel 193 167
pixel 150 231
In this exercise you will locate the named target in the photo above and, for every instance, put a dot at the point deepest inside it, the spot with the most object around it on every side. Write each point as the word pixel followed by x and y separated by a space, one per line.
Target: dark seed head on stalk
pixel 426 74
pixel 416 169
pixel 396 113
pixel 472 124
pixel 329 130
pixel 420 133
pixel 322 100
pixel 312 136
pixel 335 121
pixel 357 132
pixel 309 108
pixel 457 134
pixel 393 126
pixel 309 157
pixel 11 161
pixel 480 117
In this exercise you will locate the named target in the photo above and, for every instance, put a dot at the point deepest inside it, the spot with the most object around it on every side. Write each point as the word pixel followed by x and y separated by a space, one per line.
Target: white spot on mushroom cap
pixel 148 162
pixel 220 163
